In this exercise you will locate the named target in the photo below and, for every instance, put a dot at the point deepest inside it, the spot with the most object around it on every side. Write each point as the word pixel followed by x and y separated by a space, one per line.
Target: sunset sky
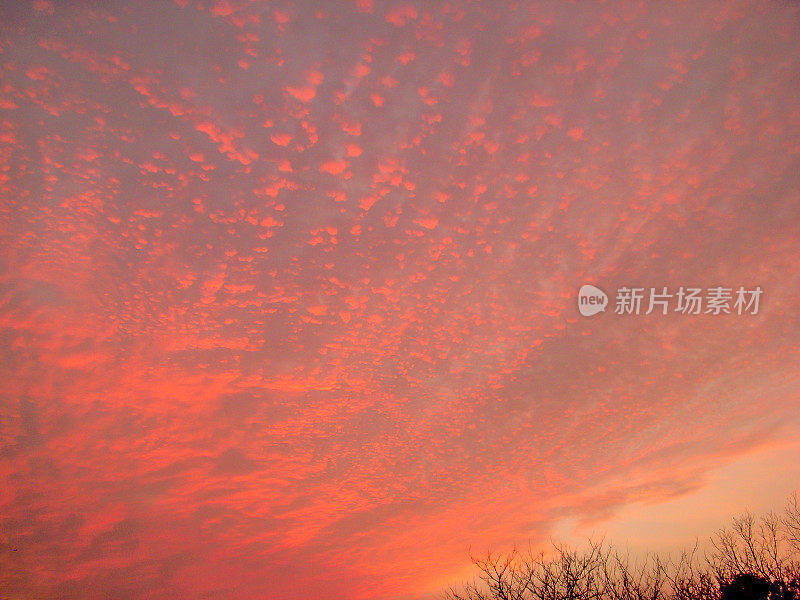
pixel 289 290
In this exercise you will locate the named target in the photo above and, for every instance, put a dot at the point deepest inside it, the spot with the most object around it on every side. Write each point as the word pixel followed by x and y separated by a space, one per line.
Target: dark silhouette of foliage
pixel 753 559
pixel 746 587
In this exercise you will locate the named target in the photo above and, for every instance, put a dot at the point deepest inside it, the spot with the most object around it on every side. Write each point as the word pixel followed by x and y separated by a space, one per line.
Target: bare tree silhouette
pixel 755 558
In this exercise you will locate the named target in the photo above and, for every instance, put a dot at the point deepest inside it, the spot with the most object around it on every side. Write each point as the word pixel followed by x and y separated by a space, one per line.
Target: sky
pixel 289 290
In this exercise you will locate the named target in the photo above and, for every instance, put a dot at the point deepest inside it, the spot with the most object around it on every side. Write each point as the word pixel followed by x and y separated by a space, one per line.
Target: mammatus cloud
pixel 288 291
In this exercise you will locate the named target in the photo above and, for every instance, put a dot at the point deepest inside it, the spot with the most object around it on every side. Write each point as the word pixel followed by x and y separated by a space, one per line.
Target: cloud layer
pixel 288 290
